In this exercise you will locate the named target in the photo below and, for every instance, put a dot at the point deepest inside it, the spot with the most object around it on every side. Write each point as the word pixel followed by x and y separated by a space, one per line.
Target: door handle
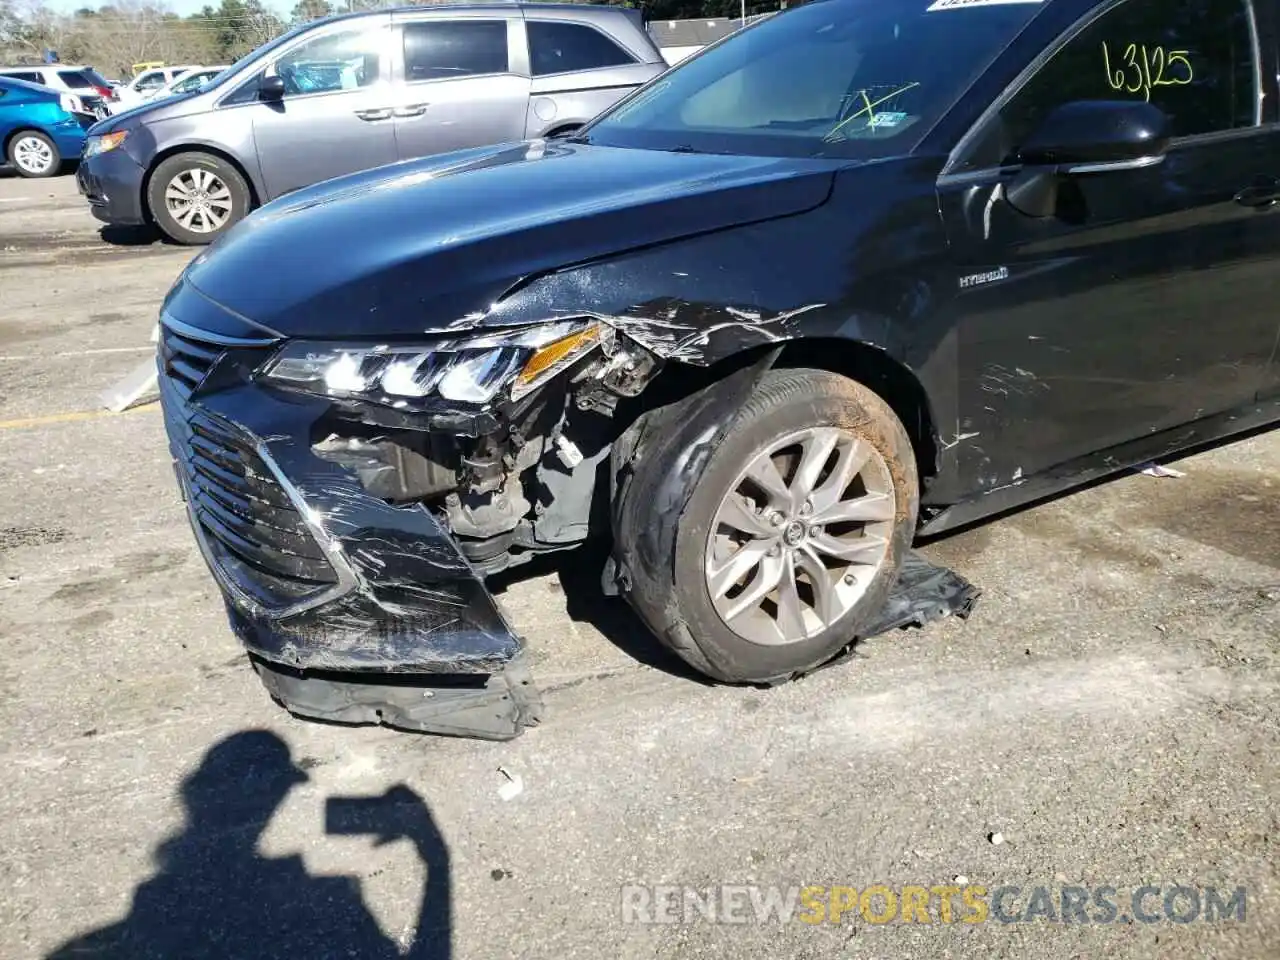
pixel 1264 192
pixel 411 110
pixel 378 113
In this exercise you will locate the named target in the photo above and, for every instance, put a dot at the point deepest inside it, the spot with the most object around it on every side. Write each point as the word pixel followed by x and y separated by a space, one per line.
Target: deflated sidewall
pixel 691 624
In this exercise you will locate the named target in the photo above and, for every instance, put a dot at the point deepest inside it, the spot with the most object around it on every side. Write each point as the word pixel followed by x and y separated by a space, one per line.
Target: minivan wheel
pixel 33 154
pixel 196 197
pixel 792 539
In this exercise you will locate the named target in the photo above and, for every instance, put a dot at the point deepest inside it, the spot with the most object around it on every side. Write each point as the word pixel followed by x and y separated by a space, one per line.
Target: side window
pixel 149 81
pixel 557 47
pixel 30 77
pixel 445 49
pixel 1194 59
pixel 334 61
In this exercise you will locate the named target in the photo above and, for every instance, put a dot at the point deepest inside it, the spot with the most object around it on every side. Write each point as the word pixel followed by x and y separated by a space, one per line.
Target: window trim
pixel 404 60
pixel 528 40
pixel 965 143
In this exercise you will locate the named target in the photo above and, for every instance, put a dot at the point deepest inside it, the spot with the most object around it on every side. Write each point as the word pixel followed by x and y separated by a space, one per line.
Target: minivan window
pixel 563 47
pixel 445 49
pixel 1194 59
pixel 333 61
pixel 842 78
pixel 30 77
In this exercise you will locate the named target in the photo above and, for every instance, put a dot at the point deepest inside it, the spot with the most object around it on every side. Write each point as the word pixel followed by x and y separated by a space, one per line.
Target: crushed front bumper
pixel 352 609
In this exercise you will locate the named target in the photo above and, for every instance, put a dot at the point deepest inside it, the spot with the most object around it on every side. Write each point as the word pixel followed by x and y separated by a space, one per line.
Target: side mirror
pixel 271 88
pixel 1085 136
pixel 1116 133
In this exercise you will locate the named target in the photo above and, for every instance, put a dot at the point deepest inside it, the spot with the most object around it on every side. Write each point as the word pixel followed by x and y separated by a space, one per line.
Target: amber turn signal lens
pixel 557 352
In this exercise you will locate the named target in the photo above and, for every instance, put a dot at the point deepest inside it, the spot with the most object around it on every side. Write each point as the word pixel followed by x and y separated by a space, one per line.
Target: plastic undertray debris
pixel 139 386
pixel 923 593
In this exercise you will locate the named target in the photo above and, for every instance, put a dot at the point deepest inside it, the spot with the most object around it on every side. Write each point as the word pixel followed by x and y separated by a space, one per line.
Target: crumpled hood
pixel 410 248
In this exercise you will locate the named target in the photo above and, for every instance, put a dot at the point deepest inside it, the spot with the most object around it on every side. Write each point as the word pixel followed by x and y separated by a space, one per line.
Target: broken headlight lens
pixel 472 370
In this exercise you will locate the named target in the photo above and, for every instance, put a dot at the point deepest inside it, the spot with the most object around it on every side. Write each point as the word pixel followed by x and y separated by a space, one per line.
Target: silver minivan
pixel 356 91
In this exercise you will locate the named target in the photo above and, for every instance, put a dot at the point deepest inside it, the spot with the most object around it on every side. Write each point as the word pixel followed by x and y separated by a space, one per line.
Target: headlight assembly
pixel 104 142
pixel 472 371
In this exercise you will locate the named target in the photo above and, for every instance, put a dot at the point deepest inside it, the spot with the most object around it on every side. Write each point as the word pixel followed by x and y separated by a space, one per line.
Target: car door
pixel 1148 300
pixel 335 115
pixel 461 84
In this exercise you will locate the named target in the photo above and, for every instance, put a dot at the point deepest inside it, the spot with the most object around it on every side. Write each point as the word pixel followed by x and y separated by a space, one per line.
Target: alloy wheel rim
pixel 198 200
pixel 33 155
pixel 800 535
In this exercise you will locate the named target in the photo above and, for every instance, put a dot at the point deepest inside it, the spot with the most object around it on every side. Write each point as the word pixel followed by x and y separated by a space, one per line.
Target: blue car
pixel 40 127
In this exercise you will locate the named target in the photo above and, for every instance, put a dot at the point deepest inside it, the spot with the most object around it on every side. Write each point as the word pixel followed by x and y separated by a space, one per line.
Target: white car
pixel 190 81
pixel 94 92
pixel 142 87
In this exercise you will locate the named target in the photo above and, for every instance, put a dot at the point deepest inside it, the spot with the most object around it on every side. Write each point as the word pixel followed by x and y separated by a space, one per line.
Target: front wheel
pixel 196 197
pixel 792 538
pixel 33 154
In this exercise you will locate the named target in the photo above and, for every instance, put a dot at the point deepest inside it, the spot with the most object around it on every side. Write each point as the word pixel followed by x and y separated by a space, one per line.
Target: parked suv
pixel 91 87
pixel 358 91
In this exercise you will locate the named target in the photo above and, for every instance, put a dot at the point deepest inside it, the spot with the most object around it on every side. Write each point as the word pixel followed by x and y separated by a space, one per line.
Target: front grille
pixel 240 504
pixel 251 526
pixel 186 361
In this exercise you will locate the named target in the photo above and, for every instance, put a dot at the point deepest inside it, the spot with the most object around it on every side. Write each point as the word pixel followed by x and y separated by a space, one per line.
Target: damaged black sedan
pixel 865 270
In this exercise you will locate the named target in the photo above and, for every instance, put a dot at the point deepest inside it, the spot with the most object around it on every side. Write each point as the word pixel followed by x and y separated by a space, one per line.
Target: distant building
pixel 678 39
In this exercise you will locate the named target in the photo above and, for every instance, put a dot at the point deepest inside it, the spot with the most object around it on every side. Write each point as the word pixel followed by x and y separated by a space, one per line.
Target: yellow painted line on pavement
pixel 73 416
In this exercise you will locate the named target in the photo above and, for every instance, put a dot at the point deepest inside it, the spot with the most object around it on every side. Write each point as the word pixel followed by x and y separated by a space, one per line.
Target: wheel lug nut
pixel 776 518
pixel 815 530
pixel 849 578
pixel 806 508
pixel 774 550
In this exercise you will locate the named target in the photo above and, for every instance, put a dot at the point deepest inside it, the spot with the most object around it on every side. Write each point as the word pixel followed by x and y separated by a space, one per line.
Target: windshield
pixel 836 78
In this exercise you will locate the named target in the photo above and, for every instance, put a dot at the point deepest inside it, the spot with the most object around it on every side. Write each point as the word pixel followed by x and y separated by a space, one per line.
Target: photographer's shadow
pixel 216 896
